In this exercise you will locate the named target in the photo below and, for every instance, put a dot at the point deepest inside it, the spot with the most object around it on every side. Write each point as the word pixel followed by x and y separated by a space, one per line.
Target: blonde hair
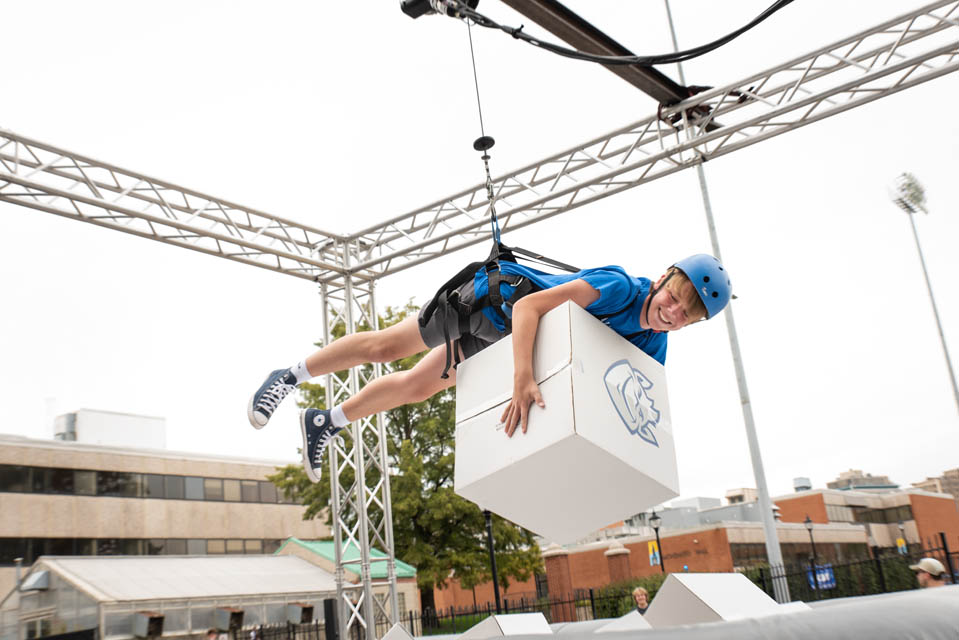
pixel 683 289
pixel 639 590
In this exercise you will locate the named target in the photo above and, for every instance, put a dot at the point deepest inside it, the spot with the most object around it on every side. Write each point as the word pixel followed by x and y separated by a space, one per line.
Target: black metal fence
pixel 582 604
pixel 886 571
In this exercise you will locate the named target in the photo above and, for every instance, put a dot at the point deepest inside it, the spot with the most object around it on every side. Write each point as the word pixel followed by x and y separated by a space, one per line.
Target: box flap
pixel 486 379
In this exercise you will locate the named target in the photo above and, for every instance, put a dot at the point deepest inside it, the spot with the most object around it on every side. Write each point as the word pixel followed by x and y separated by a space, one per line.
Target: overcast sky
pixel 343 114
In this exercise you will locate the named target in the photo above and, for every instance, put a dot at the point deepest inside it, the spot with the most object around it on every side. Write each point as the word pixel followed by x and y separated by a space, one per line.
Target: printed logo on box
pixel 627 388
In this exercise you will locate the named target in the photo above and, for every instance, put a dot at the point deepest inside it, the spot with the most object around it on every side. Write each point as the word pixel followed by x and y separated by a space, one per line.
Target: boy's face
pixel 666 311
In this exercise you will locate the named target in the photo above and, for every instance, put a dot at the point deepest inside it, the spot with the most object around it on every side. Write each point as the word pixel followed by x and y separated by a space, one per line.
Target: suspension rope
pixel 484 143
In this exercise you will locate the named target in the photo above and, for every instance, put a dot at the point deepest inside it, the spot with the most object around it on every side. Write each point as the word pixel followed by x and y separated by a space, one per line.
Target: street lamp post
pixel 911 197
pixel 812 543
pixel 492 557
pixel 655 522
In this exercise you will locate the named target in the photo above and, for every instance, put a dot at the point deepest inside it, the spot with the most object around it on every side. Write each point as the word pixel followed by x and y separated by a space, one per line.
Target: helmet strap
pixel 652 294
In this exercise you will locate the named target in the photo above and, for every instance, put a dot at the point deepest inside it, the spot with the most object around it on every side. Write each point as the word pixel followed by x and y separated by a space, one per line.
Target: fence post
pixel 879 572
pixel 506 605
pixel 453 617
pixel 945 551
pixel 592 603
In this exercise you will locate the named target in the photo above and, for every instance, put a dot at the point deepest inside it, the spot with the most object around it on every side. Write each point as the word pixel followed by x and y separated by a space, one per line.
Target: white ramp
pixel 632 621
pixel 513 624
pixel 397 632
pixel 691 598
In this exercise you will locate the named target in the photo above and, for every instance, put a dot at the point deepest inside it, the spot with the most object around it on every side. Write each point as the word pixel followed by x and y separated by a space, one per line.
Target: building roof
pixel 9 440
pixel 131 578
pixel 325 549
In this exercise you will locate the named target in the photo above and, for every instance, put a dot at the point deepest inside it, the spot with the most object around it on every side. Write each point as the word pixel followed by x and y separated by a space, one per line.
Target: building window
pixel 194 488
pixel 174 487
pixel 234 547
pixel 250 490
pixel 196 547
pixel 216 546
pixel 14 479
pixel 268 492
pixel 153 486
pixel 62 481
pixel 271 546
pixel 231 490
pixel 175 547
pixel 108 547
pixel 85 483
pixel 213 488
pixel 253 546
pixel 118 483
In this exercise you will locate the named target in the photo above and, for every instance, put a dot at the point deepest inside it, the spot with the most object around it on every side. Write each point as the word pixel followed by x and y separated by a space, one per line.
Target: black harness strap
pixel 447 298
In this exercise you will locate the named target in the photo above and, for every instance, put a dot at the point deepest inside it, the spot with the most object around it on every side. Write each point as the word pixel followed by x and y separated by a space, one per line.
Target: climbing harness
pixel 503 290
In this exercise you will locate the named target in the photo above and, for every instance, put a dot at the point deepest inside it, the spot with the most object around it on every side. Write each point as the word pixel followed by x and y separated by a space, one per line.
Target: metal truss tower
pixel 916 47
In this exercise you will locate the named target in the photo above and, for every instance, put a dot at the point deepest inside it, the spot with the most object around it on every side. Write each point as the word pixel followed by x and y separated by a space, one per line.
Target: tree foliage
pixel 435 530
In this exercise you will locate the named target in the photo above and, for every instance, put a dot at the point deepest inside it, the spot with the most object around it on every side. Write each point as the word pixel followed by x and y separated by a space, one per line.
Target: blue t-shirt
pixel 620 294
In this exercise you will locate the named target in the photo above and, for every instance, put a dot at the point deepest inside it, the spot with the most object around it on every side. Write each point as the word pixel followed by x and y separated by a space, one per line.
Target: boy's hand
pixel 525 393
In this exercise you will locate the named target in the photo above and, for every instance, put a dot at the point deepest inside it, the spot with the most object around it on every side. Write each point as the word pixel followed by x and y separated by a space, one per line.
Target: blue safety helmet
pixel 710 279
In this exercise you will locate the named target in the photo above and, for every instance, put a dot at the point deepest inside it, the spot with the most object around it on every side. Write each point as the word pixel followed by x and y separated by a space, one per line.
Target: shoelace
pixel 321 443
pixel 272 397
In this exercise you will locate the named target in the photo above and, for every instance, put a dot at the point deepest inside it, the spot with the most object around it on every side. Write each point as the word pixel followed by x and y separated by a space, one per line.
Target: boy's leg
pixel 401 387
pixel 388 392
pixel 399 341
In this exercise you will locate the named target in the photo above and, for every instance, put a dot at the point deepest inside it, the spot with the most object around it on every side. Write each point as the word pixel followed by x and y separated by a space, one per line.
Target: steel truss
pixel 898 54
pixel 360 488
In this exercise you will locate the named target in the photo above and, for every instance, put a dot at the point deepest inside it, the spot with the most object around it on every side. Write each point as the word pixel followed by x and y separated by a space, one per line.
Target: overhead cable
pixel 459 9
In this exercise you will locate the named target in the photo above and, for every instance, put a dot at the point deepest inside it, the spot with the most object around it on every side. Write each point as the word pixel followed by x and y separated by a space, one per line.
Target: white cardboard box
pixel 632 621
pixel 512 624
pixel 692 598
pixel 602 449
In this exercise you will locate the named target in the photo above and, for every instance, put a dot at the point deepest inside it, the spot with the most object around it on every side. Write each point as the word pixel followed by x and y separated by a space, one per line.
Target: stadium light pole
pixel 773 550
pixel 910 196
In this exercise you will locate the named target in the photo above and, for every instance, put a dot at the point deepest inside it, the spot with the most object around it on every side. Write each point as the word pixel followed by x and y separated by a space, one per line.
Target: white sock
pixel 300 372
pixel 338 417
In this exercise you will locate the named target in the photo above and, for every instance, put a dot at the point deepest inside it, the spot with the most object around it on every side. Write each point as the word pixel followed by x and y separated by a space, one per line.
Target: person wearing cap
pixel 639 309
pixel 929 573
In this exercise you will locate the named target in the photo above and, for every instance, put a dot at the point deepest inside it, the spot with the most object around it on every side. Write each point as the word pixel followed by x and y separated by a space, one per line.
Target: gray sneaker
pixel 277 386
pixel 317 430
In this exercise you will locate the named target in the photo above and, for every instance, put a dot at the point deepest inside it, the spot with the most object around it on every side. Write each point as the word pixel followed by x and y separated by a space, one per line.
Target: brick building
pixel 845 524
pixel 922 514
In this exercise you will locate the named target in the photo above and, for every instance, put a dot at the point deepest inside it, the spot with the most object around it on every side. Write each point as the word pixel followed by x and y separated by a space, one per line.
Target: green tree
pixel 435 530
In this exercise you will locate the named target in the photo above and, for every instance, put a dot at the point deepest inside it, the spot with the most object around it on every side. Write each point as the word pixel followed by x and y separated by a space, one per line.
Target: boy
pixel 470 316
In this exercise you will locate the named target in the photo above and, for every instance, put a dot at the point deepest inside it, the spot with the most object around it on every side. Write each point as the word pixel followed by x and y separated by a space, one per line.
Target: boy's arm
pixel 526 314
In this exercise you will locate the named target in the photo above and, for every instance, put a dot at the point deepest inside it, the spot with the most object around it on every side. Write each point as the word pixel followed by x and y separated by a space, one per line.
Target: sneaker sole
pixel 310 473
pixel 252 416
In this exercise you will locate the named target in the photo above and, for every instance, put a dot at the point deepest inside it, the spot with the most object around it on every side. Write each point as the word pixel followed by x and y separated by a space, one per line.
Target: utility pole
pixel 773 550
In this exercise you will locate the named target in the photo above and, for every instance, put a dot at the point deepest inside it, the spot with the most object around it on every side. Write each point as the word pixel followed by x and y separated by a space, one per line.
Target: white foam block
pixel 632 621
pixel 692 598
pixel 513 624
pixel 795 606
pixel 605 429
pixel 397 632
